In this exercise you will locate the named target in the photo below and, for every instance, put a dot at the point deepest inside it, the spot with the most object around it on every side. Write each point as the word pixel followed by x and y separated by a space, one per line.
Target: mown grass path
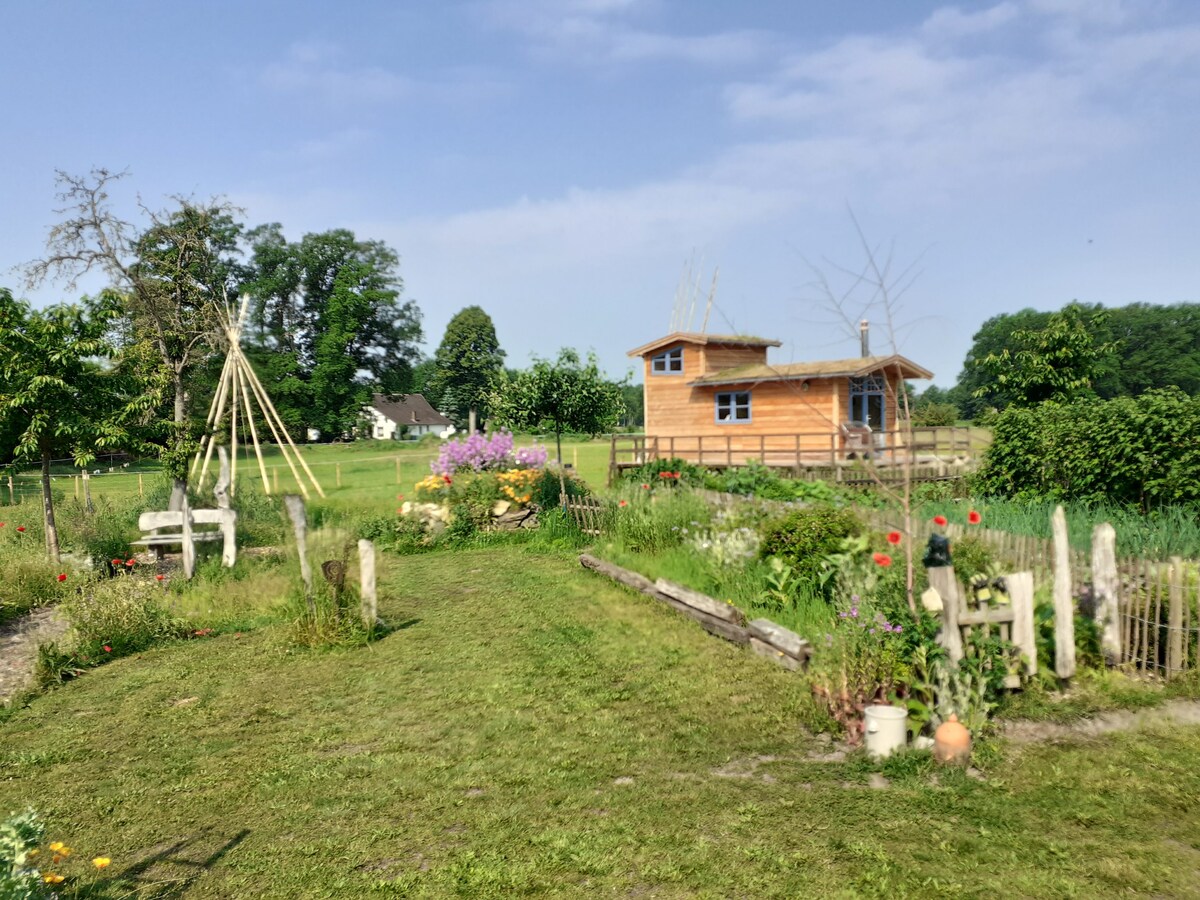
pixel 534 730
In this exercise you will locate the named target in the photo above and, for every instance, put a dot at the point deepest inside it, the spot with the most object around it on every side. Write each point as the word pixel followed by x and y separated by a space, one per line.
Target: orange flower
pixel 974 518
pixel 882 559
pixel 52 878
pixel 893 537
pixel 623 504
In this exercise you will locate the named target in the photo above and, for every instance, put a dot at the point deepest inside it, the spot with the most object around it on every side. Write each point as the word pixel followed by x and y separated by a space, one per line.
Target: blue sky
pixel 561 162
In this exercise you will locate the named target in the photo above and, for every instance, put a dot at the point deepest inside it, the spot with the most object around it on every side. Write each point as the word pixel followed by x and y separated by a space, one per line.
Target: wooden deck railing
pixel 927 447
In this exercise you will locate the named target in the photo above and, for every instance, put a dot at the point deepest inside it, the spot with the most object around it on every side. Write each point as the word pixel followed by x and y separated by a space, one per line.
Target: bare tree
pixel 173 276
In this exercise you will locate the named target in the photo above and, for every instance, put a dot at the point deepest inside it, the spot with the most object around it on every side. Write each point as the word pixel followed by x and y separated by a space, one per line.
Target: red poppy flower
pixel 664 474
pixel 623 504
pixel 882 559
pixel 645 487
pixel 62 576
pixel 974 518
pixel 159 577
pixel 893 537
pixel 107 649
pixel 131 562
pixel 447 479
pixel 940 520
pixel 20 528
pixel 117 562
pixel 676 474
pixel 1 524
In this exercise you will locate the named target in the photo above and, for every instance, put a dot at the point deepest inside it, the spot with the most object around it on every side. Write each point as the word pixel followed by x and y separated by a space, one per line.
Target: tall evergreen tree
pixel 465 365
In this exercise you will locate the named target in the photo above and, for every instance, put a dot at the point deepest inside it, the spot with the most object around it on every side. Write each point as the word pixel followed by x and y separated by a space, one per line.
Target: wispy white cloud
pixel 604 32
pixel 951 23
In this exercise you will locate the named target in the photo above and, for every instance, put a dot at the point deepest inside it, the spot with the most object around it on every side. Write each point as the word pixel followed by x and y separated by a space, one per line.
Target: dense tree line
pixel 1139 347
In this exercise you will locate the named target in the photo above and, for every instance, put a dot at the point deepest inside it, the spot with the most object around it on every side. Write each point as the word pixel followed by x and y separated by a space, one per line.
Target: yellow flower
pixel 34 852
pixel 51 878
pixel 101 861
pixel 57 846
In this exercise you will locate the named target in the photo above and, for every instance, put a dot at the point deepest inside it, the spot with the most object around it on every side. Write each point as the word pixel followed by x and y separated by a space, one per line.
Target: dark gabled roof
pixel 407 409
pixel 828 368
pixel 692 337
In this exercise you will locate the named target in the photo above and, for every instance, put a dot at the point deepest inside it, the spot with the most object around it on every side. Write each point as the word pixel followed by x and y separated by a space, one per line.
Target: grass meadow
pixel 528 729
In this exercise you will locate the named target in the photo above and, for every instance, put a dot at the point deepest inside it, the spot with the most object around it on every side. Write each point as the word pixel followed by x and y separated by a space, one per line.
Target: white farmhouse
pixel 393 416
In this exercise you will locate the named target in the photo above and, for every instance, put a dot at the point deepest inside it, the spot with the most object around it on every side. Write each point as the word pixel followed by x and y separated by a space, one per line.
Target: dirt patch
pixel 18 646
pixel 1173 712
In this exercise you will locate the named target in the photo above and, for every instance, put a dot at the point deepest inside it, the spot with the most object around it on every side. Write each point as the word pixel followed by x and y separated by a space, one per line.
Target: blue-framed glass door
pixel 868 401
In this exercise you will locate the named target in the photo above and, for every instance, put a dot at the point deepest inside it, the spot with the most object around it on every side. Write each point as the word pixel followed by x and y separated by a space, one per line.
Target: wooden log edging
pixel 723 620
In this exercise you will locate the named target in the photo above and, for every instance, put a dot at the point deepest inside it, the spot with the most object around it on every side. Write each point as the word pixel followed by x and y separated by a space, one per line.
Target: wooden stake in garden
pixel 366 571
pixel 299 517
pixel 1064 604
pixel 240 386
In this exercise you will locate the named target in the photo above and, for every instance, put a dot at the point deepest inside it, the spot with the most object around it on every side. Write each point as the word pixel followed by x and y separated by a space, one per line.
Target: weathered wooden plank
pixel 1105 590
pixel 624 576
pixel 296 512
pixel 782 639
pixel 993 615
pixel 706 604
pixel 1020 595
pixel 1064 606
pixel 1175 643
pixel 369 606
pixel 776 656
pixel 942 580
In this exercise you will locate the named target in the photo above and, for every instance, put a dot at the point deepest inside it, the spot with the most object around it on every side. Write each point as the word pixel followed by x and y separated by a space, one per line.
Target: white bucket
pixel 886 729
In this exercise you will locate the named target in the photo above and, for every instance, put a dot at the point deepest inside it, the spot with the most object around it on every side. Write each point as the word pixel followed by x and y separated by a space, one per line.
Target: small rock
pixel 973 772
pixel 500 507
pixel 877 781
pixel 922 742
pixel 185 701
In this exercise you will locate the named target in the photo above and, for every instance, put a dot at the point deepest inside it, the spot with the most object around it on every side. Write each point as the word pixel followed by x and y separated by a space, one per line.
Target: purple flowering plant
pixel 481 452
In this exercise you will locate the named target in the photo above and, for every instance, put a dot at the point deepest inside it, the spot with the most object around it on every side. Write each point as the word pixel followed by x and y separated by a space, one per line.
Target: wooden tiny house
pixel 716 400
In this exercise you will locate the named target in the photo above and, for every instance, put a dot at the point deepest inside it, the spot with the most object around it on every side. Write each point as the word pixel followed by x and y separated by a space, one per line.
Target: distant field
pixel 371 473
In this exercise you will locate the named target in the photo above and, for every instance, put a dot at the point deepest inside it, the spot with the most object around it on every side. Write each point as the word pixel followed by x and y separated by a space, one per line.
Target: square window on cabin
pixel 733 407
pixel 669 362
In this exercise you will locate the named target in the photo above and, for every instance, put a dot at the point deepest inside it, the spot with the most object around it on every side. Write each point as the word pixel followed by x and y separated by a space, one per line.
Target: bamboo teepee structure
pixel 240 391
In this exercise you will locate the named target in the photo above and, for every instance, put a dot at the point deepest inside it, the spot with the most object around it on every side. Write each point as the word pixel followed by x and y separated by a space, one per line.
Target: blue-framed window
pixel 868 401
pixel 669 362
pixel 732 407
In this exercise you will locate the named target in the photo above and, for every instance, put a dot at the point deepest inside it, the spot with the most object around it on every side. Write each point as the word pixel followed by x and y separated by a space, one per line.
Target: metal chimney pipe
pixel 864 337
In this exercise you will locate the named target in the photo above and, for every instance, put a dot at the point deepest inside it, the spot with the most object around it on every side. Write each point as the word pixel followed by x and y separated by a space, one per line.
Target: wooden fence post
pixel 1020 594
pixel 74 478
pixel 296 512
pixel 1104 589
pixel 1064 606
pixel 366 571
pixel 398 470
pixel 1176 646
pixel 141 493
pixel 943 580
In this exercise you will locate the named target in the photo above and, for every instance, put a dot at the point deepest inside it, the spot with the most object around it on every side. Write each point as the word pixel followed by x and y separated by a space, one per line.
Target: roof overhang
pixel 691 337
pixel 842 368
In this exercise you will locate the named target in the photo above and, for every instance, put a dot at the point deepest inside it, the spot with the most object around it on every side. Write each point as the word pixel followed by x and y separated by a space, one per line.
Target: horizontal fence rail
pixel 845 456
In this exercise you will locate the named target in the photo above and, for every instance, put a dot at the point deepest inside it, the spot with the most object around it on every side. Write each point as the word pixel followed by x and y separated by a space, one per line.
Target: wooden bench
pixel 186 537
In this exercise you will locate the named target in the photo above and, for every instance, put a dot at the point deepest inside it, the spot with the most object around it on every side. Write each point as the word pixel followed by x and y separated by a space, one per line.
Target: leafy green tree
pixel 174 277
pixel 1057 362
pixel 57 393
pixel 466 362
pixel 634 398
pixel 329 325
pixel 559 396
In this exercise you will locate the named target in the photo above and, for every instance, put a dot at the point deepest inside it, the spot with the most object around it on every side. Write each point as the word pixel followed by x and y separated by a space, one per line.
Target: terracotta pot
pixel 952 743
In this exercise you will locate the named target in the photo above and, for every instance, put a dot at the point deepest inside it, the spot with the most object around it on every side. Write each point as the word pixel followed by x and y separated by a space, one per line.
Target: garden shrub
pixel 546 492
pixel 805 537
pixel 1142 450
pixel 971 556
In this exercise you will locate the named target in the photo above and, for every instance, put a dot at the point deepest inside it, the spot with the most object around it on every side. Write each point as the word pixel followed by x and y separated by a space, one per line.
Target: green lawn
pixel 532 729
pixel 367 470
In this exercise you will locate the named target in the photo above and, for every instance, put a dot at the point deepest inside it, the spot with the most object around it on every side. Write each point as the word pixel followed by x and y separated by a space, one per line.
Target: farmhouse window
pixel 868 401
pixel 733 406
pixel 669 362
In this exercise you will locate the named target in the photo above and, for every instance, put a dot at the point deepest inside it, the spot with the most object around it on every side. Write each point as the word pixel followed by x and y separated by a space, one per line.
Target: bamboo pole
pixel 233 434
pixel 262 467
pixel 272 416
pixel 259 394
pixel 221 399
pixel 216 410
pixel 338 471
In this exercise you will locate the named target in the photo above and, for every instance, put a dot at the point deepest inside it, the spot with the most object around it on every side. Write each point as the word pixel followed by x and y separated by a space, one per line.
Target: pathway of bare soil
pixel 1173 712
pixel 18 646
